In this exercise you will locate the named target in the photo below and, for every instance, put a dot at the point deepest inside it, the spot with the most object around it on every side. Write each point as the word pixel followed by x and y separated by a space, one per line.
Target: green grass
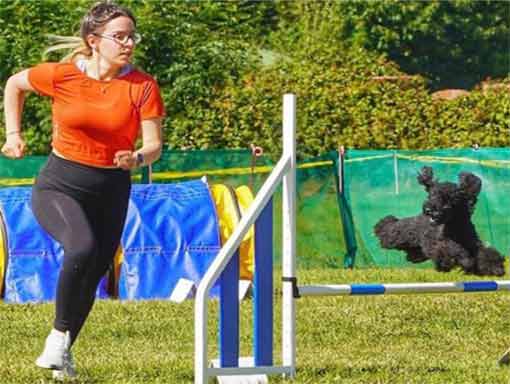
pixel 455 338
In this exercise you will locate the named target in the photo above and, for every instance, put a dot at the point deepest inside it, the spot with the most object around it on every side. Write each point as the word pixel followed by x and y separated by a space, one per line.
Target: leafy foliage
pixel 342 102
pixel 455 44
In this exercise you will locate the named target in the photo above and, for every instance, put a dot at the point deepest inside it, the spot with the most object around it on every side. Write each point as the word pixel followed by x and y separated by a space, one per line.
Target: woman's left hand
pixel 125 160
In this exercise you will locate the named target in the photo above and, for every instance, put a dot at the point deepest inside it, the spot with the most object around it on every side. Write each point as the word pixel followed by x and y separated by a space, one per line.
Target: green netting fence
pixel 379 183
pixel 320 241
pixel 336 229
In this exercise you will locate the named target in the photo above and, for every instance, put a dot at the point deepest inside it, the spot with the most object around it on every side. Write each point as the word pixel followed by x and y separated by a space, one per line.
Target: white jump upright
pixel 285 170
pixel 289 237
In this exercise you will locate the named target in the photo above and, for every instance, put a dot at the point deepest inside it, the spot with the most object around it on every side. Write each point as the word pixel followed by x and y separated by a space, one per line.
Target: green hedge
pixel 340 103
pixel 219 93
pixel 454 43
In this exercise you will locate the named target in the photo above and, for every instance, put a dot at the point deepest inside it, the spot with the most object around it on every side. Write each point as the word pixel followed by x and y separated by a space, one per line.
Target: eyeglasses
pixel 121 38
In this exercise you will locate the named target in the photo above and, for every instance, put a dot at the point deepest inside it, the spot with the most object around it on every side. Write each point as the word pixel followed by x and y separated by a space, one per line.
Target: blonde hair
pixel 97 16
pixel 79 48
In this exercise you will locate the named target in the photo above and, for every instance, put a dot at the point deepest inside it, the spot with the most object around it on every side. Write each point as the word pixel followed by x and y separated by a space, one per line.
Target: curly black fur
pixel 444 232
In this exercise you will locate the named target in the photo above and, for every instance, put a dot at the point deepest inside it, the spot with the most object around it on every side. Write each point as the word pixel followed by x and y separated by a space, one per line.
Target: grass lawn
pixel 454 338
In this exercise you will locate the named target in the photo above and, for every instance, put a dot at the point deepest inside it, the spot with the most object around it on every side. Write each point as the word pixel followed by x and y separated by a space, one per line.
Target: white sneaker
pixel 56 347
pixel 68 370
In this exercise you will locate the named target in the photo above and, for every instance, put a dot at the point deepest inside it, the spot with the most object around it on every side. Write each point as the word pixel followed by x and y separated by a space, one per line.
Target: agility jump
pixel 262 364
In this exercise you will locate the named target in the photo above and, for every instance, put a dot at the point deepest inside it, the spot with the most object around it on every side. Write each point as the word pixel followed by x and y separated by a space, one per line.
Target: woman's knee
pixel 80 256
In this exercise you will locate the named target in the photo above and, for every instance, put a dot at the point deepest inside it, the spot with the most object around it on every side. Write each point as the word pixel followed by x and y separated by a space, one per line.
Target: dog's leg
pixel 461 256
pixel 489 262
pixel 415 255
pixel 389 232
pixel 438 252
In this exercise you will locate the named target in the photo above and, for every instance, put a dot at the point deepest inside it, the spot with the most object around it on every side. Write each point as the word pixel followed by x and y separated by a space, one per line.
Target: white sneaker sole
pixel 61 375
pixel 42 363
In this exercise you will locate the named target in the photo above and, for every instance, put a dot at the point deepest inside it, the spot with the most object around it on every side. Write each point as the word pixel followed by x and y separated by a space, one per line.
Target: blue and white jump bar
pixel 403 288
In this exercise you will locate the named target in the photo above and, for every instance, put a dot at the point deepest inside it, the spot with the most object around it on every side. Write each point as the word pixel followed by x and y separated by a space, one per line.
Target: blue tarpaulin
pixel 171 232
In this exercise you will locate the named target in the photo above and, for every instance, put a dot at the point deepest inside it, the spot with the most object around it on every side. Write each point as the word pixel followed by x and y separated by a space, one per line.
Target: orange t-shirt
pixel 93 119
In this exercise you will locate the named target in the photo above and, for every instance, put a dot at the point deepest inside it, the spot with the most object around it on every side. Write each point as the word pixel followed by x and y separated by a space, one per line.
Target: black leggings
pixel 84 209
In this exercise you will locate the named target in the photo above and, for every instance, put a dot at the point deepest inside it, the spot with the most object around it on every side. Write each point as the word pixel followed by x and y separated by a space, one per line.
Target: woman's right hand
pixel 14 146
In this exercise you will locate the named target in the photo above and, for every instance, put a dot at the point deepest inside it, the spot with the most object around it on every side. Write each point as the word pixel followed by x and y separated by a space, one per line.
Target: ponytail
pixel 79 49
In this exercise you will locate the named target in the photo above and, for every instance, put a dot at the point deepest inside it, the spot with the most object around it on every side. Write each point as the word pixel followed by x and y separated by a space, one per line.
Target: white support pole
pixel 341 153
pixel 395 172
pixel 149 170
pixel 289 235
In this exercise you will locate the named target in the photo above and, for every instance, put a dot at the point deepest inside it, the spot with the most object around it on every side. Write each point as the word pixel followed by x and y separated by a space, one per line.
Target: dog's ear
pixel 426 177
pixel 470 184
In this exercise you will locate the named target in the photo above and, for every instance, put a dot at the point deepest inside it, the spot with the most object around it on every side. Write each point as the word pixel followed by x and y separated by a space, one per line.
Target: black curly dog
pixel 444 232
